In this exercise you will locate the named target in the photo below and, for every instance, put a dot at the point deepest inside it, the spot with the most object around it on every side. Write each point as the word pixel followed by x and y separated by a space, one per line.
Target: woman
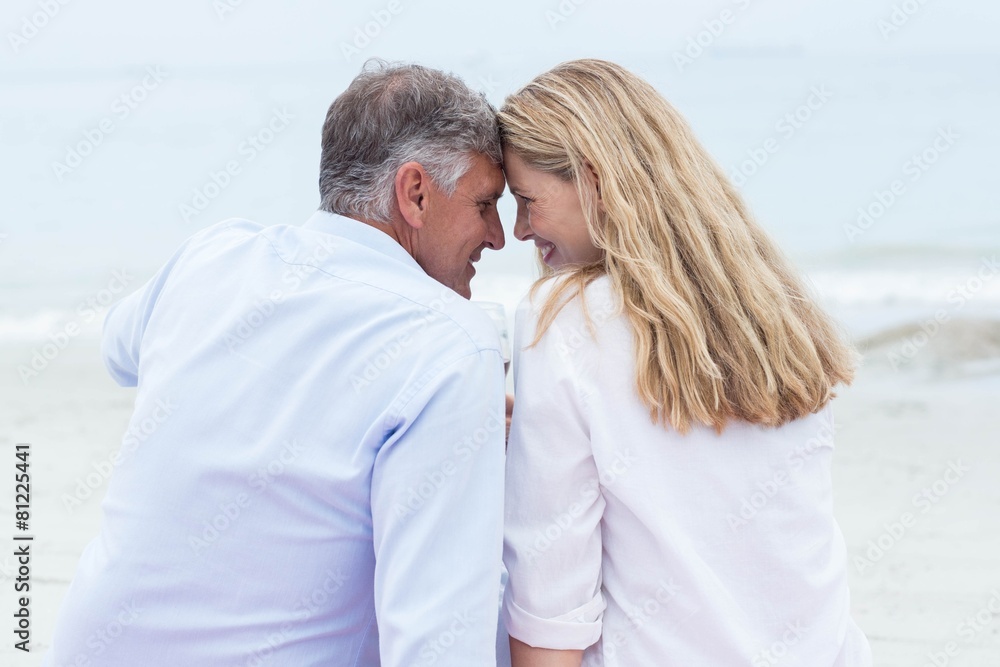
pixel 668 494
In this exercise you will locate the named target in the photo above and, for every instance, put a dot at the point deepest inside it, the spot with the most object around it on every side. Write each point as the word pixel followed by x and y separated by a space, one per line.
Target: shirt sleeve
pixel 126 322
pixel 554 506
pixel 123 330
pixel 437 519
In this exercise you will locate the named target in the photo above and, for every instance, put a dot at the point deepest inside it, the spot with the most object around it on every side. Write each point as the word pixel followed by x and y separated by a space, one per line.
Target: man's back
pixel 315 460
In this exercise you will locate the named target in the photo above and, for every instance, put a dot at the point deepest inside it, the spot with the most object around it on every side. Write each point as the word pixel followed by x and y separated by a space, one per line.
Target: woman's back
pixel 701 549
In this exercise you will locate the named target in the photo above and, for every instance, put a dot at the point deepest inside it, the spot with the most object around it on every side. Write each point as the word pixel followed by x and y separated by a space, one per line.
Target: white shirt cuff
pixel 574 630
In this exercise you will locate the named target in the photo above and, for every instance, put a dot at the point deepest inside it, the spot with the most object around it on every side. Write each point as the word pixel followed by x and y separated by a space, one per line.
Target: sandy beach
pixel 915 483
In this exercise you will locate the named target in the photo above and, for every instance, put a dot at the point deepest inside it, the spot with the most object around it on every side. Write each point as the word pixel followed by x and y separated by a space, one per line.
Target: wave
pixel 45 324
pixel 869 300
pixel 958 347
pixel 949 287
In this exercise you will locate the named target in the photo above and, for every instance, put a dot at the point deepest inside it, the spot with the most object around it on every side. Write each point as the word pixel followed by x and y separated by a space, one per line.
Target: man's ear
pixel 412 189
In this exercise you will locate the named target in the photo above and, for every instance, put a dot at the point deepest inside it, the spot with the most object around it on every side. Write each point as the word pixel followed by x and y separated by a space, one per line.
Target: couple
pixel 329 488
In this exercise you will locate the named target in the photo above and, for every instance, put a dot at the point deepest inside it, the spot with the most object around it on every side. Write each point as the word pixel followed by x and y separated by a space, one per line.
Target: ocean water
pixel 876 175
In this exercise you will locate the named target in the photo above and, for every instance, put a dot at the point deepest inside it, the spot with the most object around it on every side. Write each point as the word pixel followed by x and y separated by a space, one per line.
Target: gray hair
pixel 392 114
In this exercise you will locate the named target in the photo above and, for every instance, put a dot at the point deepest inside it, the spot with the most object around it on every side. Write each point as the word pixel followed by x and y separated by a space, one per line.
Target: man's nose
pixel 494 232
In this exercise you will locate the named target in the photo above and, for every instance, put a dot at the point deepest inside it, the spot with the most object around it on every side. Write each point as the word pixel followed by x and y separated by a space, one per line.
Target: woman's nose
pixel 522 230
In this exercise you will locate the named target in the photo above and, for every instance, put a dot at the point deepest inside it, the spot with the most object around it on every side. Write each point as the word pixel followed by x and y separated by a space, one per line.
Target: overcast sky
pixel 232 62
pixel 102 33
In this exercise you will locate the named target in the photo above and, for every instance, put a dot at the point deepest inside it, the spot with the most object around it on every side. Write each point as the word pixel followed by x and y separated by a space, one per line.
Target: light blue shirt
pixel 313 474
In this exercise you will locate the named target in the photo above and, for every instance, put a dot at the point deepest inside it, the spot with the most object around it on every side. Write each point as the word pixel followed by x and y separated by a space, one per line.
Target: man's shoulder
pixel 214 238
pixel 397 283
pixel 230 227
pixel 449 316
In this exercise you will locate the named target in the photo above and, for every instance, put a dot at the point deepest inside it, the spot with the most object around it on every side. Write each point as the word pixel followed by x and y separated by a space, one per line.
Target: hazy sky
pixel 123 32
pixel 231 63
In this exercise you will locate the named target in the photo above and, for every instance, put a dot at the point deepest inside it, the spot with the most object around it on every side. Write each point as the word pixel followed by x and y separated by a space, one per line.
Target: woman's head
pixel 596 128
pixel 723 327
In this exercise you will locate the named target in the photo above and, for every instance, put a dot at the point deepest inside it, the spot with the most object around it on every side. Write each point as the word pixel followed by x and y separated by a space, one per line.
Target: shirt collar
pixel 361 233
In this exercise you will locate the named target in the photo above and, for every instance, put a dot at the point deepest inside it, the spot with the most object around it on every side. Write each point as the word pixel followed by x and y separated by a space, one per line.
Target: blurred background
pixel 863 134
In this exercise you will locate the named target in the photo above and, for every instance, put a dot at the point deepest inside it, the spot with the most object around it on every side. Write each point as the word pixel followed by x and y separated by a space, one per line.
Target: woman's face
pixel 549 213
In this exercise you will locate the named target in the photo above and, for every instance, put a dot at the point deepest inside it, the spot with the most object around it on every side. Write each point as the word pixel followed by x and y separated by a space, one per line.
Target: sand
pixel 898 432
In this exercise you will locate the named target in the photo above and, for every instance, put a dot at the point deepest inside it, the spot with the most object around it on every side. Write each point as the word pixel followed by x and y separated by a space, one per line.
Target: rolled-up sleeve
pixel 437 519
pixel 554 506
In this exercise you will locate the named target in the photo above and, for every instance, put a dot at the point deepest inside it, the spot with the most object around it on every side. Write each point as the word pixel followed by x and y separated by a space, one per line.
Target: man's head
pixel 417 152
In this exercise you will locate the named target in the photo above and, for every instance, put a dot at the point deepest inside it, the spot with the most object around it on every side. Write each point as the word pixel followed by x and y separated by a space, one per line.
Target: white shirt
pixel 646 547
pixel 313 474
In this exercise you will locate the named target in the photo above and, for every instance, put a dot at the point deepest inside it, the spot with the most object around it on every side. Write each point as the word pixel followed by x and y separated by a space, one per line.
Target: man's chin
pixel 464 288
pixel 460 287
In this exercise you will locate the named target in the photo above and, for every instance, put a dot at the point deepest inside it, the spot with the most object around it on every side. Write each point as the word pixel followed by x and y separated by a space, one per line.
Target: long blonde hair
pixel 723 327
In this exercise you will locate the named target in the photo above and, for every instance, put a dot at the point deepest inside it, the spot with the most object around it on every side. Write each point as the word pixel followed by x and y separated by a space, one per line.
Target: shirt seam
pixel 384 242
pixel 364 636
pixel 429 376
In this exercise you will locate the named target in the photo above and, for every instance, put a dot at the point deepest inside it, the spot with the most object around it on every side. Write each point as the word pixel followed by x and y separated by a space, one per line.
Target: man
pixel 314 474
